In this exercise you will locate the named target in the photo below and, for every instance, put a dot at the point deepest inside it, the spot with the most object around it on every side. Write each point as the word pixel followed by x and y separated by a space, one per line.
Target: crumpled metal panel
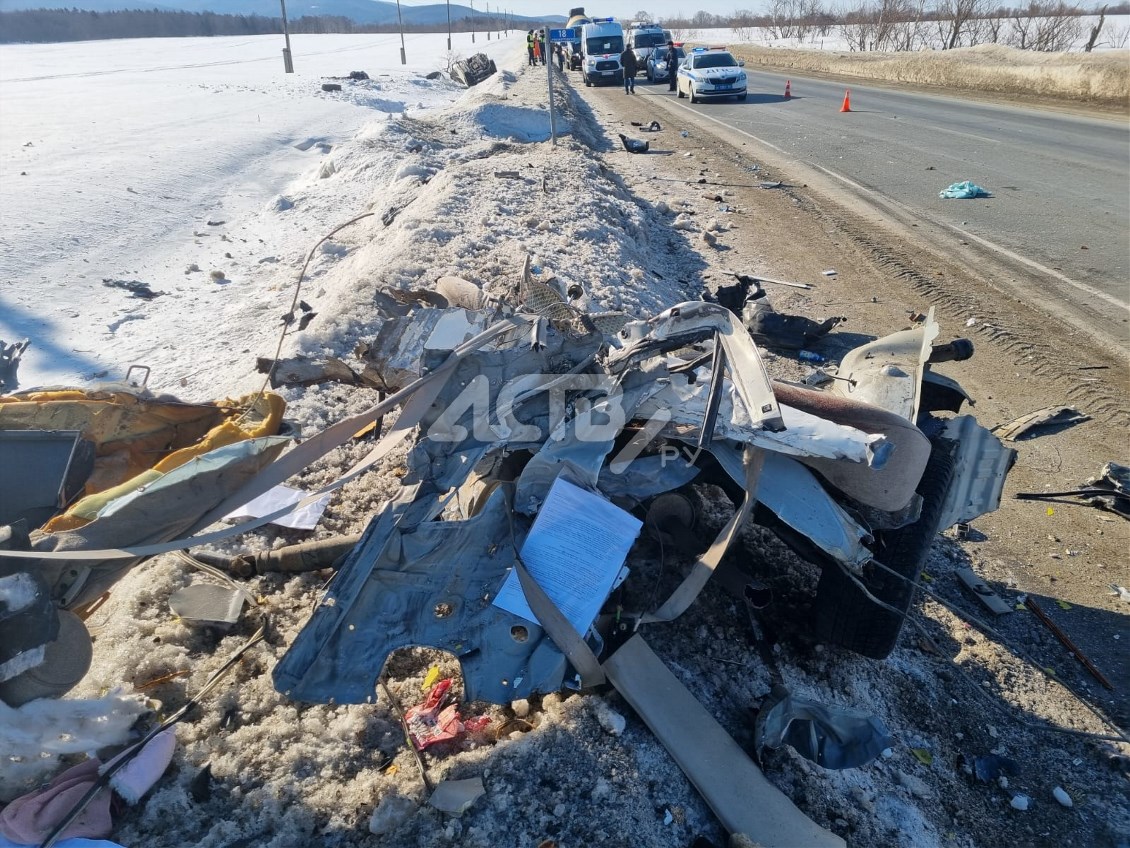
pixel 647 476
pixel 981 464
pixel 795 496
pixel 429 585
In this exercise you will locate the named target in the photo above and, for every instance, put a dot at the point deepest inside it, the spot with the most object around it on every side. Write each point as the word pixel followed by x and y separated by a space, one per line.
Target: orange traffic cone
pixel 788 89
pixel 847 101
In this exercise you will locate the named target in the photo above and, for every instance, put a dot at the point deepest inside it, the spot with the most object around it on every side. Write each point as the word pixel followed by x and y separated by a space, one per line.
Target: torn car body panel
pixel 431 584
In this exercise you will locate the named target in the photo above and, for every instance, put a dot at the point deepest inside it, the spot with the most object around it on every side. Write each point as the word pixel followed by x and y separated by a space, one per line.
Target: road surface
pixel 1057 228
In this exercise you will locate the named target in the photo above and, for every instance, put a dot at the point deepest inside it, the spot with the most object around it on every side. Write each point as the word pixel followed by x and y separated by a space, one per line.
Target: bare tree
pixel 1095 30
pixel 1058 29
pixel 779 15
pixel 643 17
pixel 955 19
pixel 855 27
pixel 742 24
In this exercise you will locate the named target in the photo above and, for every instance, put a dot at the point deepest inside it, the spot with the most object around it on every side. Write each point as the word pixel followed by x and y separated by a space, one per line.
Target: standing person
pixel 672 65
pixel 560 50
pixel 530 47
pixel 537 50
pixel 541 44
pixel 628 62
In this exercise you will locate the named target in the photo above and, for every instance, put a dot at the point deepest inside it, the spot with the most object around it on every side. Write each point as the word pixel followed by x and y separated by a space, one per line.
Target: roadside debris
pixel 455 797
pixel 981 590
pixel 734 787
pixel 748 301
pixel 470 72
pixel 1051 416
pixel 1109 491
pixel 437 719
pixel 963 191
pixel 634 145
pixel 1031 604
pixel 1061 796
pixel 10 362
pixel 832 737
pixel 992 768
pixel 136 288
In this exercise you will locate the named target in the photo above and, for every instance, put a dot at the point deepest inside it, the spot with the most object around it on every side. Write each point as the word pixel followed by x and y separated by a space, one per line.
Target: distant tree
pixel 954 20
pixel 643 17
pixel 1095 30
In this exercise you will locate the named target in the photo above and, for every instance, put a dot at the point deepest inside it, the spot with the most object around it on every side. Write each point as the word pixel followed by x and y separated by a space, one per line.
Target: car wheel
pixel 843 614
pixel 679 91
pixel 694 99
pixel 588 82
pixel 741 98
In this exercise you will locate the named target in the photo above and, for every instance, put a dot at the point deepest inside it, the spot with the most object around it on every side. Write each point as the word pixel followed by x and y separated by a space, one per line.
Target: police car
pixel 711 72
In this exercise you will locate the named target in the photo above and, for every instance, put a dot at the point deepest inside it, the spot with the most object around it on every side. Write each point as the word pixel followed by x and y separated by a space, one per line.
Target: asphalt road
pixel 1057 226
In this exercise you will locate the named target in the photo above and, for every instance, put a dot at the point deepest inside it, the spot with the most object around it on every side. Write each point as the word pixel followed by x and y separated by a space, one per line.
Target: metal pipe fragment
pixel 1030 602
pixel 294 559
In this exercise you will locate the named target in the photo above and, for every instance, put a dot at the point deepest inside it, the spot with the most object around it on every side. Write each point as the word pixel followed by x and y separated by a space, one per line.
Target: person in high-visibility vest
pixel 530 47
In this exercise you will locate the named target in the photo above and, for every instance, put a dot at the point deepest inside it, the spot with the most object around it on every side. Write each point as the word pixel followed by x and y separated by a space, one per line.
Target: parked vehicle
pixel 602 42
pixel 657 63
pixel 710 72
pixel 647 41
pixel 573 49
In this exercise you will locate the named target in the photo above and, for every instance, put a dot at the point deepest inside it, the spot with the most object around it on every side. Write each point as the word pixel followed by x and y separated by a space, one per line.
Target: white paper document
pixel 575 551
pixel 272 500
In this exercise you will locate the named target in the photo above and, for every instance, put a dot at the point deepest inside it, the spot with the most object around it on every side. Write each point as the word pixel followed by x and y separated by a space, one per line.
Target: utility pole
pixel 472 21
pixel 400 21
pixel 288 60
pixel 488 22
pixel 448 26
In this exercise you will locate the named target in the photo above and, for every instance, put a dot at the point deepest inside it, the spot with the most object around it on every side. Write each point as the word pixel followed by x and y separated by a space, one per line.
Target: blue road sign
pixel 563 34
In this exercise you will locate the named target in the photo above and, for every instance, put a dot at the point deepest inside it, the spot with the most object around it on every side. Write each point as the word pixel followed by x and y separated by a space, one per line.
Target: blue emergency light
pixel 603 20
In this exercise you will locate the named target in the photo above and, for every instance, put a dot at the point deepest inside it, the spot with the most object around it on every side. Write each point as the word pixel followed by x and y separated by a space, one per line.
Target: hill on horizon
pixel 359 11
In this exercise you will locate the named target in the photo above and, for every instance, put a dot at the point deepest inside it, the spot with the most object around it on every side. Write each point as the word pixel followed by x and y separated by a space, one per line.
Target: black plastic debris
pixel 832 737
pixel 1109 491
pixel 10 362
pixel 991 767
pixel 768 327
pixel 136 288
pixel 634 145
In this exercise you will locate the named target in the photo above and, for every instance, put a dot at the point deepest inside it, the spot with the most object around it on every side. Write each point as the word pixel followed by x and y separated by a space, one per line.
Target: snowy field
pixel 116 155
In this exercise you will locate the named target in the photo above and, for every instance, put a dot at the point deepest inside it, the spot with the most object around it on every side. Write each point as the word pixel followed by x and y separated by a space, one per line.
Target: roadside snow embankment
pixel 1099 78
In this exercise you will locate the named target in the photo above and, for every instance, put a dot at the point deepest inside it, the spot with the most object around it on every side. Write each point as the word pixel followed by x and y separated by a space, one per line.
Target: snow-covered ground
pixel 135 160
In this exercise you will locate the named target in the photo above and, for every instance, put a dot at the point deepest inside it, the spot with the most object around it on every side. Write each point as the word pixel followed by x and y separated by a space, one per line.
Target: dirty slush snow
pixel 471 191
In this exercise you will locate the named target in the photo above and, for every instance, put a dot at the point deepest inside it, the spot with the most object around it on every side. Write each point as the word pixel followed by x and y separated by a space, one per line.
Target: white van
pixel 645 41
pixel 602 42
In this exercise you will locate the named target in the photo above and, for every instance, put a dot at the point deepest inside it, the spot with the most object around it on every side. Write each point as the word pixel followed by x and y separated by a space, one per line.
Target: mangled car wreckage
pixel 539 433
pixel 861 475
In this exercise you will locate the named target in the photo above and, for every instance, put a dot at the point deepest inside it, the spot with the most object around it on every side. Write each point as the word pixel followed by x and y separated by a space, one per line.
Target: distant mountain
pixel 361 11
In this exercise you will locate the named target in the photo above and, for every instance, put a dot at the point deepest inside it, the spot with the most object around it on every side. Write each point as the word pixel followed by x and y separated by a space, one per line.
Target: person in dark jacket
pixel 541 45
pixel 628 62
pixel 530 47
pixel 559 49
pixel 672 65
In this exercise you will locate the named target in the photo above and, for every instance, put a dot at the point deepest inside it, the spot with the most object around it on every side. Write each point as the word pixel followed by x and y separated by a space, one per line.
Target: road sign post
pixel 554 36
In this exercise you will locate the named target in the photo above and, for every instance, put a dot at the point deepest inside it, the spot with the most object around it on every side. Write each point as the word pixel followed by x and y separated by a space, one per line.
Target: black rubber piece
pixel 843 615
